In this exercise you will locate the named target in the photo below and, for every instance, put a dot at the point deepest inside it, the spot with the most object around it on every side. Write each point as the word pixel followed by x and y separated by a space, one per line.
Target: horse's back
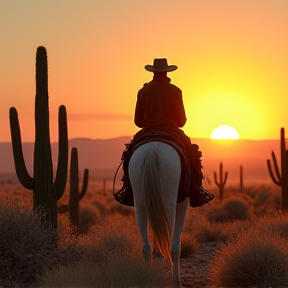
pixel 169 168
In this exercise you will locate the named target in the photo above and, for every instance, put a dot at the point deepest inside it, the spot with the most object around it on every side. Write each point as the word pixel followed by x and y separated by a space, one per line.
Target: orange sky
pixel 231 55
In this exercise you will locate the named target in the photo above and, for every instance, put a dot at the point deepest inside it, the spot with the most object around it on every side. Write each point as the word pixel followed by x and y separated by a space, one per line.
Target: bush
pixel 87 219
pixel 26 249
pixel 189 245
pixel 118 271
pixel 232 209
pixel 254 257
pixel 206 231
pixel 266 202
pixel 117 261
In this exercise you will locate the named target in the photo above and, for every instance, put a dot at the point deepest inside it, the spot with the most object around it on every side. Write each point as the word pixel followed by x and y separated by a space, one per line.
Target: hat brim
pixel 169 68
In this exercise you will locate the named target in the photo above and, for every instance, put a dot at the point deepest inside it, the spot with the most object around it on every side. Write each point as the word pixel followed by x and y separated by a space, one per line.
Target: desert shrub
pixel 116 235
pixel 276 223
pixel 189 245
pixel 26 249
pixel 232 209
pixel 118 262
pixel 266 202
pixel 206 231
pixel 74 247
pixel 118 271
pixel 256 257
pixel 238 209
pixel 132 271
pixel 87 218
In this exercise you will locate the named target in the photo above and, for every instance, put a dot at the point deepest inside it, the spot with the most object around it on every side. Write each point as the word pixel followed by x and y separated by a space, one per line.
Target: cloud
pixel 95 116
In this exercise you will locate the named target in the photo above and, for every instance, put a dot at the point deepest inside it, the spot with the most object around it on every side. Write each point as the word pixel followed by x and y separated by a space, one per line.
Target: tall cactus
pixel 222 181
pixel 281 179
pixel 75 196
pixel 241 178
pixel 45 192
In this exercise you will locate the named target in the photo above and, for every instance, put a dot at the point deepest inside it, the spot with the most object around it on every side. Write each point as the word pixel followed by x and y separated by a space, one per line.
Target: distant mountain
pixel 105 155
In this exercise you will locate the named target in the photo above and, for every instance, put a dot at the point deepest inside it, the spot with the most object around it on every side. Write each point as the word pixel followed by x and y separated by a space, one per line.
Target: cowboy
pixel 159 103
pixel 160 114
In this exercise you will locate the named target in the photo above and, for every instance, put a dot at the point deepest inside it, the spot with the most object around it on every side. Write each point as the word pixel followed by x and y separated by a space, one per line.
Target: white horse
pixel 154 172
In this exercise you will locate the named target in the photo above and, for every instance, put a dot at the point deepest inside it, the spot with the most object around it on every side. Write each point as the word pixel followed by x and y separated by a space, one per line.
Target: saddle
pixel 191 168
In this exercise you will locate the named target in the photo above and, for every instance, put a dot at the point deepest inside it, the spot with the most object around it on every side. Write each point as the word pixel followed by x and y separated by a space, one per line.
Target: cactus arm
pixel 25 179
pixel 62 167
pixel 85 184
pixel 215 179
pixel 272 175
pixel 225 178
pixel 276 167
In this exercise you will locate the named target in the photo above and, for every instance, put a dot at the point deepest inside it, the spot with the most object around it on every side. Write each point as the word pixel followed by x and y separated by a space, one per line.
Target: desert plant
pixel 189 245
pixel 27 249
pixel 75 196
pixel 87 218
pixel 232 209
pixel 255 257
pixel 45 192
pixel 118 271
pixel 282 179
pixel 241 178
pixel 222 181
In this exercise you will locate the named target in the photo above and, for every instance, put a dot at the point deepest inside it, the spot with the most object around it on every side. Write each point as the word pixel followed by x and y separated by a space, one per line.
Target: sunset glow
pixel 229 70
pixel 224 132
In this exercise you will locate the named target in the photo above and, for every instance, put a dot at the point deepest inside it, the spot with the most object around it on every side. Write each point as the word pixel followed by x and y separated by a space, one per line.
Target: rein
pixel 115 176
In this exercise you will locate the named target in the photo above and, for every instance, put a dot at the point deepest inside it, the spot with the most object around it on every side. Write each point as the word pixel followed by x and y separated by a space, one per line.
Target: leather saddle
pixel 191 168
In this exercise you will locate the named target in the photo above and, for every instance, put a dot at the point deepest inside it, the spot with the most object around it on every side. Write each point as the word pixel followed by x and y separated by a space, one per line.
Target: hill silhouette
pixel 102 156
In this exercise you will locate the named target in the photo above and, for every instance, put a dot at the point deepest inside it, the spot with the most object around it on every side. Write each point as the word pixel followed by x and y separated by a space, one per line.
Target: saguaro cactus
pixel 281 179
pixel 75 196
pixel 45 192
pixel 241 178
pixel 222 181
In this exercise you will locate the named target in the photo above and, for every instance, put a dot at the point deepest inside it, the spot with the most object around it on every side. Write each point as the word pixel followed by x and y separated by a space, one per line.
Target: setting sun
pixel 224 132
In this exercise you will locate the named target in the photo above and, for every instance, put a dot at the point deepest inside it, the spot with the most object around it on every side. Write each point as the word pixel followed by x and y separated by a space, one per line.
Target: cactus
pixel 45 192
pixel 241 179
pixel 281 179
pixel 221 182
pixel 75 196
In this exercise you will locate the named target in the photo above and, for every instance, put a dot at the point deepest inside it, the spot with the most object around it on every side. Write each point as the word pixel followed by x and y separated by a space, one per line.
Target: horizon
pixel 131 136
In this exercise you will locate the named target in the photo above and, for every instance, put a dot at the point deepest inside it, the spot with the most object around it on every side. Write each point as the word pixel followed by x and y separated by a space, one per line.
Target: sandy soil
pixel 195 269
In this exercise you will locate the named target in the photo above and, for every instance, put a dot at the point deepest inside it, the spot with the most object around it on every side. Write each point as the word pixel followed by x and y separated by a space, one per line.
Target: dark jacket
pixel 160 106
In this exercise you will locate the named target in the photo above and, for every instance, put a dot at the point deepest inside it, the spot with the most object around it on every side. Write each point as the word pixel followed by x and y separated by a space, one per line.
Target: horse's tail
pixel 155 205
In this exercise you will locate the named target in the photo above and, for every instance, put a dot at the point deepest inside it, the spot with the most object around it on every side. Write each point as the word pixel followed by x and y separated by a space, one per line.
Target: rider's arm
pixel 139 113
pixel 180 111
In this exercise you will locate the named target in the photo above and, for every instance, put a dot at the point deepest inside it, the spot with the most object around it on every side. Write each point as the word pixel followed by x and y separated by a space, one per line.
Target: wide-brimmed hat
pixel 160 65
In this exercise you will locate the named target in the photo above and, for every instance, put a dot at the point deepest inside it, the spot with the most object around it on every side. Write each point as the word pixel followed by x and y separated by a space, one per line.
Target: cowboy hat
pixel 160 65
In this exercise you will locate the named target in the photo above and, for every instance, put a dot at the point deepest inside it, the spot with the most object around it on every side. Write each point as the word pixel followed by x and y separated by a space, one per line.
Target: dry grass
pixel 26 249
pixel 110 252
pixel 189 245
pixel 118 262
pixel 231 209
pixel 256 257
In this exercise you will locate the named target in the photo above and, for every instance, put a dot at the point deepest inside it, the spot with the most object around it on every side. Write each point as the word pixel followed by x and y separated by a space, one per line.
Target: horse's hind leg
pixel 142 222
pixel 181 211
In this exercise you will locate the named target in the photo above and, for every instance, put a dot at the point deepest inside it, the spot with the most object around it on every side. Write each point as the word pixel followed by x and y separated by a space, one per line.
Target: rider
pixel 159 103
pixel 160 114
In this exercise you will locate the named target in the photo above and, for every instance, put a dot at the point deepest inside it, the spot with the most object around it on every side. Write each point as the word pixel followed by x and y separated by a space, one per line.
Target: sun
pixel 224 132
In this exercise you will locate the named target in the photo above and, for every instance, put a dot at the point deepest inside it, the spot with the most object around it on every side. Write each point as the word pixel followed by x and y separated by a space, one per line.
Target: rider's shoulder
pixel 176 88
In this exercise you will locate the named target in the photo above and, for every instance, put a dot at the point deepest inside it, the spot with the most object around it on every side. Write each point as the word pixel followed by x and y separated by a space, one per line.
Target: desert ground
pixel 211 237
